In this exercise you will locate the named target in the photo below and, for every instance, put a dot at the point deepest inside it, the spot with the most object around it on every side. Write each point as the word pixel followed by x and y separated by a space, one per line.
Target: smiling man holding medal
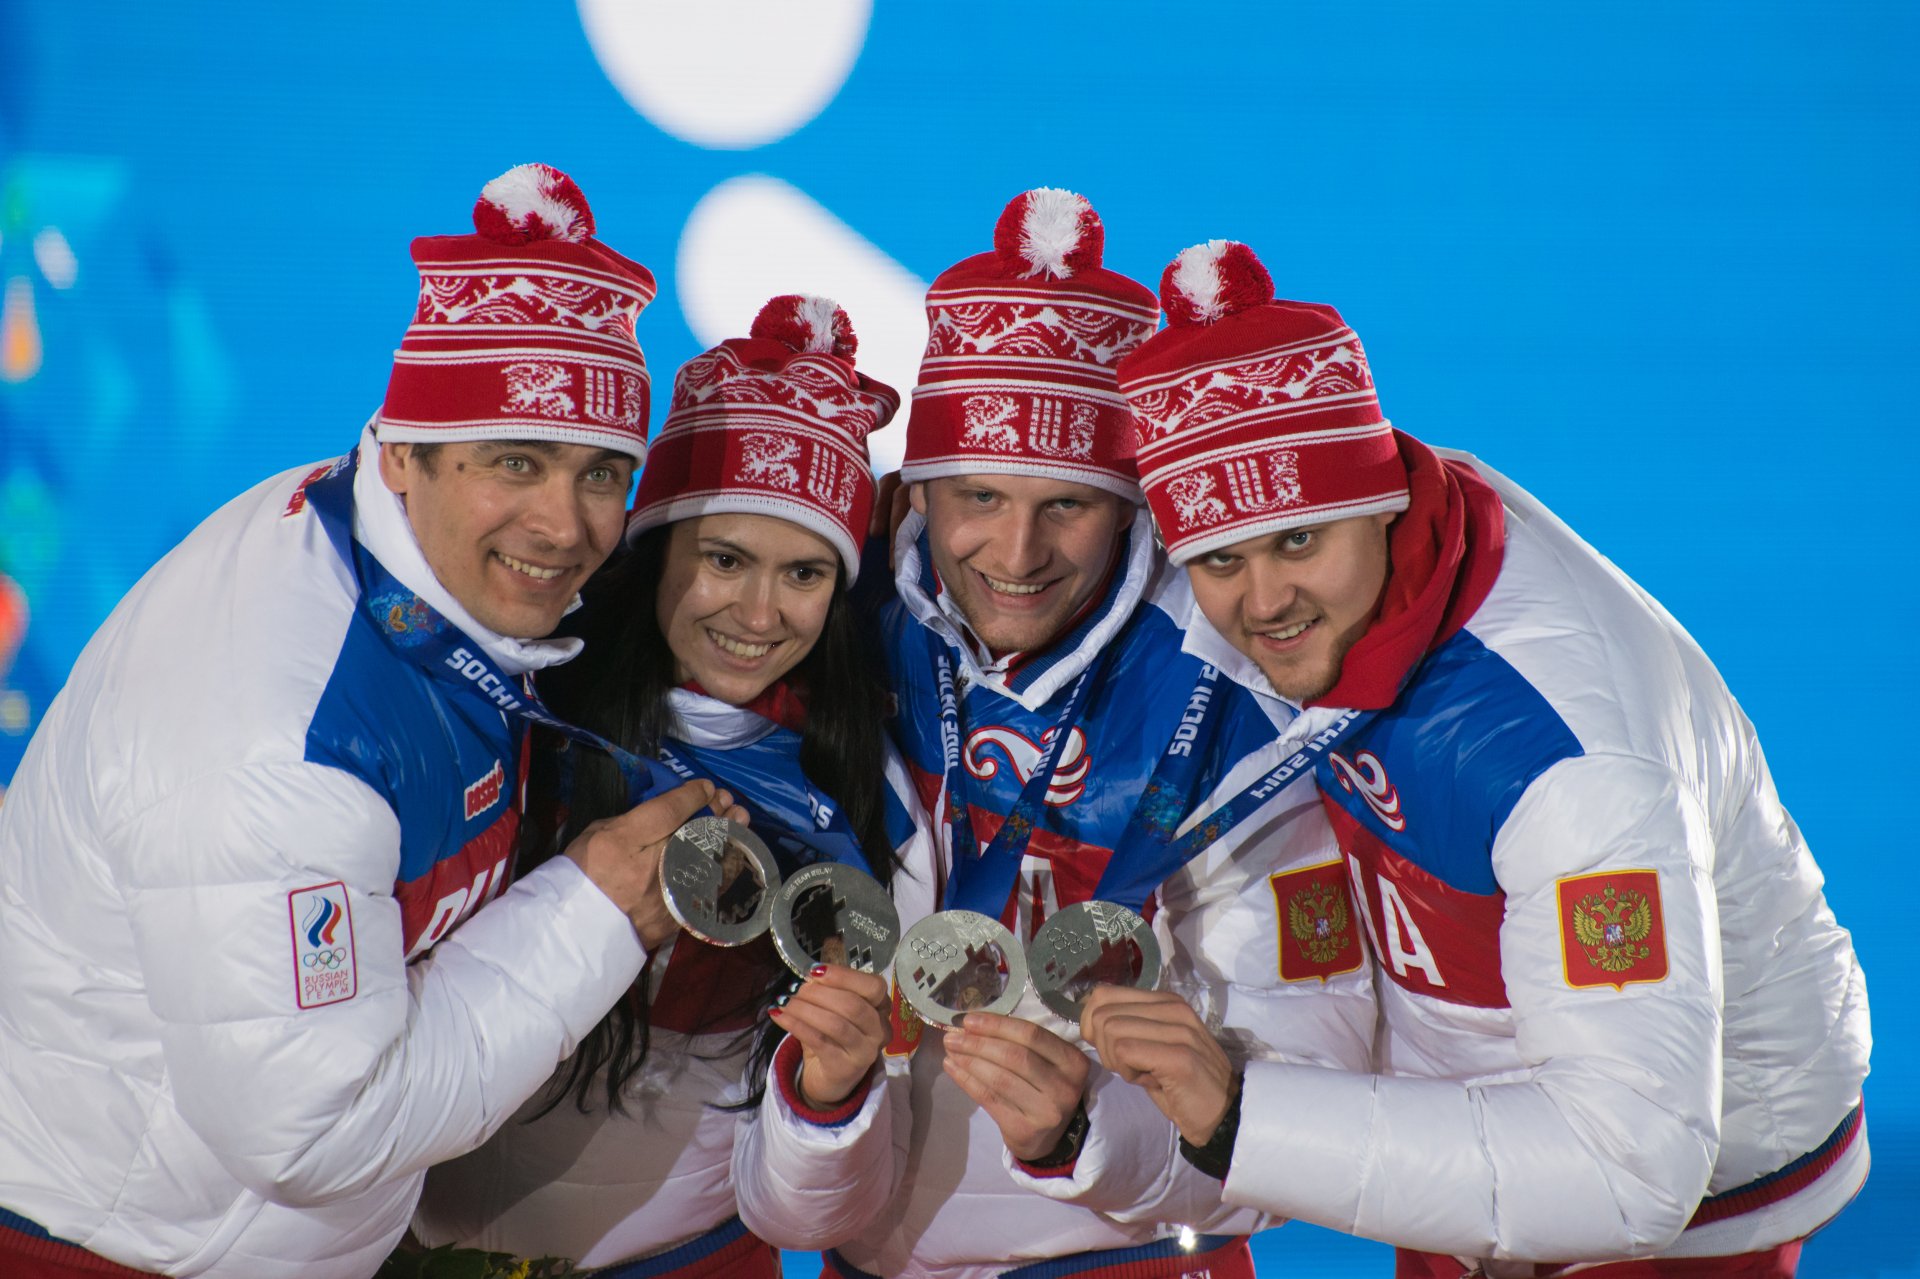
pixel 1054 724
pixel 1620 1026
pixel 238 1022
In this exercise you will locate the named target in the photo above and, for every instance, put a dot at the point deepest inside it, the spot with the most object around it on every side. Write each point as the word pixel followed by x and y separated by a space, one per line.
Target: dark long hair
pixel 618 687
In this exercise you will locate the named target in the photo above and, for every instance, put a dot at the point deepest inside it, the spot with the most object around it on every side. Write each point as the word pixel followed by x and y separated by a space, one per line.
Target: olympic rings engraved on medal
pixel 1089 944
pixel 719 881
pixel 327 959
pixel 963 962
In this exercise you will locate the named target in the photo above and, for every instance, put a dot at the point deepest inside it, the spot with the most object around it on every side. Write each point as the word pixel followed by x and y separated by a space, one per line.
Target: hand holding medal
pixel 623 855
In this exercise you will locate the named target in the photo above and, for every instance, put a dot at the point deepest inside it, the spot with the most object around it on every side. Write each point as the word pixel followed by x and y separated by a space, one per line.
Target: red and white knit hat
pixel 1018 374
pixel 772 424
pixel 1253 415
pixel 525 330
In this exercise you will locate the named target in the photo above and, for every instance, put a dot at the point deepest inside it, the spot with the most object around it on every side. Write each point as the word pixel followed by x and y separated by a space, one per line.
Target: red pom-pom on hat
pixel 807 325
pixel 1211 281
pixel 532 202
pixel 1049 230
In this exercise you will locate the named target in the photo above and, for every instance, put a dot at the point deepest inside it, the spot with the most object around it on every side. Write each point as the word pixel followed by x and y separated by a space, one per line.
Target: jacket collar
pixel 707 723
pixel 1039 676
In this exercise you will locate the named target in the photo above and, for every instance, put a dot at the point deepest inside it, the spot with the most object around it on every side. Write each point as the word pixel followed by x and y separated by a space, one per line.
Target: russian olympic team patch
pixel 1318 934
pixel 324 971
pixel 1611 930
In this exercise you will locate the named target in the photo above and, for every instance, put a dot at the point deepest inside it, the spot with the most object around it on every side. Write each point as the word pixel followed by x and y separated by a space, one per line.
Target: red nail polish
pixel 819 970
pixel 775 1012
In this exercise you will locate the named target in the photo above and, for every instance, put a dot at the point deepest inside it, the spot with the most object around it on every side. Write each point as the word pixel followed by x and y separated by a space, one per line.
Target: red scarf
pixel 1443 555
pixel 781 701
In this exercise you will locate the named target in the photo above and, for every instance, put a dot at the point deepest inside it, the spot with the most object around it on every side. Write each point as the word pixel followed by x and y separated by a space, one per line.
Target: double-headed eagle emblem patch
pixel 1611 932
pixel 1316 922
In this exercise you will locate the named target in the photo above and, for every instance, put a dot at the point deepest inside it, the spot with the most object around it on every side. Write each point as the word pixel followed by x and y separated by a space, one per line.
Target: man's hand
pixel 1028 1079
pixel 1156 1040
pixel 621 855
pixel 841 1018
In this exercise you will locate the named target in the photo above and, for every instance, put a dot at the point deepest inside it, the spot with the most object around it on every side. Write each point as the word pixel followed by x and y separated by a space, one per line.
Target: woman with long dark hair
pixel 724 642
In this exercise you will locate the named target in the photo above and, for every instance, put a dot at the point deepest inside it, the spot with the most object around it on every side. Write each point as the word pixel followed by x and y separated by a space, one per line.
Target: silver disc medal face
pixel 959 962
pixel 1087 944
pixel 719 881
pixel 832 913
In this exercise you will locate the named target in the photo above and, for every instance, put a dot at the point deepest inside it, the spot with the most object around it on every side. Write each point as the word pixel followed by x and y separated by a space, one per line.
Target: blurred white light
pixel 55 258
pixel 1188 1240
pixel 755 237
pixel 727 74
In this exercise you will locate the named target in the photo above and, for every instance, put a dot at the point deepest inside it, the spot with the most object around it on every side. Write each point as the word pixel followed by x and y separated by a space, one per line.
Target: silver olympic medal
pixel 719 881
pixel 1087 944
pixel 832 913
pixel 958 962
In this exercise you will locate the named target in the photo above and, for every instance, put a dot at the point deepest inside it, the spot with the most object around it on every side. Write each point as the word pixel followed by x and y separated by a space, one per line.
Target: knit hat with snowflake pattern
pixel 524 330
pixel 775 423
pixel 1021 348
pixel 1253 415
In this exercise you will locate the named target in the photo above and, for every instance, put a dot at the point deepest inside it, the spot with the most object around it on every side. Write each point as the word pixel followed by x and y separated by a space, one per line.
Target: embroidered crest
pixel 324 969
pixel 1316 922
pixel 1611 931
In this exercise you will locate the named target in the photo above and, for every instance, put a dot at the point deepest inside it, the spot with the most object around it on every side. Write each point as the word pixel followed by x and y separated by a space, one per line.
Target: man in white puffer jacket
pixel 1618 1019
pixel 237 1024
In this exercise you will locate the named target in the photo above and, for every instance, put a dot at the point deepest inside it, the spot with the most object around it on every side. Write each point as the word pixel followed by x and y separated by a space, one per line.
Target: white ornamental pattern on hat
pixel 767 458
pixel 538 388
pixel 833 481
pixel 803 385
pixel 1048 332
pixel 1062 430
pixel 989 421
pixel 1258 383
pixel 1194 502
pixel 524 299
pixel 612 397
pixel 1055 427
pixel 1250 489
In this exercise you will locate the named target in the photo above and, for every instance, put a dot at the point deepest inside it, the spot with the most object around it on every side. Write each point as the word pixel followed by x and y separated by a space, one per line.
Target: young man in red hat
pixel 1618 1019
pixel 1058 731
pixel 238 1022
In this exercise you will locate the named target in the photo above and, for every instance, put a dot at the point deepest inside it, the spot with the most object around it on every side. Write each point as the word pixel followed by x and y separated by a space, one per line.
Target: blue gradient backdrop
pixel 1655 261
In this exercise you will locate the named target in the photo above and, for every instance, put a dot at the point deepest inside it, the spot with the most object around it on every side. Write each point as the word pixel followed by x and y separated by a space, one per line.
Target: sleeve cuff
pixel 786 1076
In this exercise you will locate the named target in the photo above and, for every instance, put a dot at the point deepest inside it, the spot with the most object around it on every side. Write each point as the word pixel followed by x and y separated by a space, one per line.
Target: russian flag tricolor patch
pixel 321 919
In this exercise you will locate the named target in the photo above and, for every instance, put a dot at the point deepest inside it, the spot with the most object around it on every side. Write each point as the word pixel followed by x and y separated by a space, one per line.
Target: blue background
pixel 1654 261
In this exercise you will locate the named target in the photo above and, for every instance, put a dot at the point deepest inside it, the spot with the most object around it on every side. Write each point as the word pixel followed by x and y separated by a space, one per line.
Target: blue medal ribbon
pixel 1147 852
pixel 981 879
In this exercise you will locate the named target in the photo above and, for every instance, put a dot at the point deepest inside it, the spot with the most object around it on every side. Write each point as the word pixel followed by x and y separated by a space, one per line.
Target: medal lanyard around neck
pixel 831 838
pixel 1147 852
pixel 981 879
pixel 418 632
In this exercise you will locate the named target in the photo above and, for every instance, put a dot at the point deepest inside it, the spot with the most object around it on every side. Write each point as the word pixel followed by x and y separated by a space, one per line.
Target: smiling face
pixel 742 600
pixel 1021 554
pixel 1297 600
pixel 512 528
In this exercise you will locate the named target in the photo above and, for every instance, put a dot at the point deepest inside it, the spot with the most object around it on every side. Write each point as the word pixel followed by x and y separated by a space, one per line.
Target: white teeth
pixel 730 645
pixel 1287 633
pixel 534 571
pixel 1014 588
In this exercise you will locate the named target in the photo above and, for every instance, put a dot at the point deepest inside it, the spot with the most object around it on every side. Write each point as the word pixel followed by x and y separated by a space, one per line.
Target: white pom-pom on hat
pixel 1208 282
pixel 532 202
pixel 1050 231
pixel 807 324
